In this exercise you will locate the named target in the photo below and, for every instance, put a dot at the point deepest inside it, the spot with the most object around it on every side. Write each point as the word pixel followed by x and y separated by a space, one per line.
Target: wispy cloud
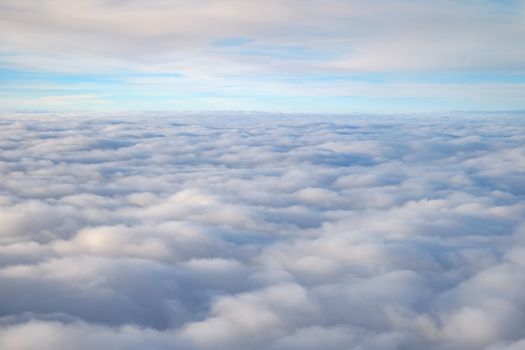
pixel 281 40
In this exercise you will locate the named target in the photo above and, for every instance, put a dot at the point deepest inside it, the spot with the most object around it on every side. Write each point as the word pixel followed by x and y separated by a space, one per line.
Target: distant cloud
pixel 346 35
pixel 260 231
pixel 274 55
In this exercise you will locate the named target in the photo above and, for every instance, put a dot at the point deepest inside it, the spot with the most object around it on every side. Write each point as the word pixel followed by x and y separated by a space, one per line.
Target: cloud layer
pixel 274 55
pixel 289 35
pixel 256 231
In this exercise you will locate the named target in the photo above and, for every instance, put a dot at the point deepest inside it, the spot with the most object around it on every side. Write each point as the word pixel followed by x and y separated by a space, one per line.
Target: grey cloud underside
pixel 262 232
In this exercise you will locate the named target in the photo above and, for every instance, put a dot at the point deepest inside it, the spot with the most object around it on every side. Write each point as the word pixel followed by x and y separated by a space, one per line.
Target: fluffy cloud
pixel 262 231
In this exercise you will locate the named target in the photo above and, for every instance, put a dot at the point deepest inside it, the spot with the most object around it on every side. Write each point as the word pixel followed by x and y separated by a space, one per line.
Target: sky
pixel 335 56
pixel 237 231
pixel 263 175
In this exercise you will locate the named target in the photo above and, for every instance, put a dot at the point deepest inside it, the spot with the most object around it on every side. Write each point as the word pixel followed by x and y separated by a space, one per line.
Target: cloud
pixel 276 36
pixel 237 230
pixel 277 55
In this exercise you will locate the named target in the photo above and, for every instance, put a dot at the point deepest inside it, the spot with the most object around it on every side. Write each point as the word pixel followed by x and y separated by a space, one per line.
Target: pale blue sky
pixel 277 55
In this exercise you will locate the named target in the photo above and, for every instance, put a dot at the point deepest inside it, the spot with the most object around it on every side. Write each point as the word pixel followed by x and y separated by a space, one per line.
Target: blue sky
pixel 334 56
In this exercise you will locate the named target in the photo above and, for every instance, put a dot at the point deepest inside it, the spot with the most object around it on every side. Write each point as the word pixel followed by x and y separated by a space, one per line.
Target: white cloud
pixel 167 36
pixel 235 231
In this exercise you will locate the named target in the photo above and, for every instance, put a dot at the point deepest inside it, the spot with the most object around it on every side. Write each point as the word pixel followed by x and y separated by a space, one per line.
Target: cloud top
pixel 262 231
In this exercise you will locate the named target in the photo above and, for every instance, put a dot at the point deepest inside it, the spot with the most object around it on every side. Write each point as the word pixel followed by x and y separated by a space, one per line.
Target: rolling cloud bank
pixel 256 231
